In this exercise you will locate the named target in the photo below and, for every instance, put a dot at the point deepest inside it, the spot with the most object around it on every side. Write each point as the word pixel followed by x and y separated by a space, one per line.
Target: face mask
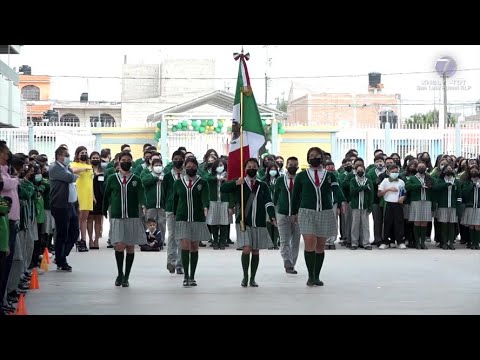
pixel 413 171
pixel 273 173
pixel 393 176
pixel 421 170
pixel 84 157
pixel 252 173
pixel 220 169
pixel 191 172
pixel 95 162
pixel 157 169
pixel 280 164
pixel 449 173
pixel 126 166
pixel 474 174
pixel 178 164
pixel 292 170
pixel 147 161
pixel 45 175
pixel 397 162
pixel 38 177
pixel 348 168
pixel 379 166
pixel 315 162
pixel 66 161
pixel 360 173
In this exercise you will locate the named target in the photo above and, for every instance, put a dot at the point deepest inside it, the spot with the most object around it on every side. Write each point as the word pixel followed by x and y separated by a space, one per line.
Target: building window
pixel 106 120
pixel 31 92
pixel 70 120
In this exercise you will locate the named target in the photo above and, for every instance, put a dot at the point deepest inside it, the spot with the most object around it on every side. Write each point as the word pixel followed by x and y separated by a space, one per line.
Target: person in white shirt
pixel 393 192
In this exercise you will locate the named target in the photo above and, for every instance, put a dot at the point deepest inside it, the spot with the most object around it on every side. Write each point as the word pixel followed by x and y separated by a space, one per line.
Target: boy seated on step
pixel 154 237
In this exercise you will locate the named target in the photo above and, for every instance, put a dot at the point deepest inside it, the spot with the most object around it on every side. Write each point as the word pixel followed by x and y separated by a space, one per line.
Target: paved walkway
pixel 392 281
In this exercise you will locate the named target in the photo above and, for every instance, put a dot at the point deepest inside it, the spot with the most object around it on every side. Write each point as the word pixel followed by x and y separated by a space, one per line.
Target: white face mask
pixel 220 169
pixel 157 169
pixel 273 172
pixel 394 175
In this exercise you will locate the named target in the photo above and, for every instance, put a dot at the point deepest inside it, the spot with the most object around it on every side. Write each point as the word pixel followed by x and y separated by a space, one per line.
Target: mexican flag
pixel 253 133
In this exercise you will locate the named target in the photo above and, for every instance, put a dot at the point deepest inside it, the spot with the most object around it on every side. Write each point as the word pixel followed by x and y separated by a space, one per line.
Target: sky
pixel 310 68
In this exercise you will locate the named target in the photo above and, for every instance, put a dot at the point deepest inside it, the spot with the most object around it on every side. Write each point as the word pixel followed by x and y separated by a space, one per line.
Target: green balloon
pixel 184 123
pixel 280 125
pixel 203 122
pixel 229 129
pixel 220 125
pixel 210 122
pixel 202 129
pixel 197 122
pixel 196 127
pixel 159 125
pixel 281 131
pixel 218 130
pixel 184 126
pixel 174 128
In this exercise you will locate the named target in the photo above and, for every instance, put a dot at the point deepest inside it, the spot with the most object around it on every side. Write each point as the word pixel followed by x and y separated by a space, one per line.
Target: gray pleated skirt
pixel 420 211
pixel 48 226
pixel 127 231
pixel 446 215
pixel 471 216
pixel 255 237
pixel 319 223
pixel 406 211
pixel 194 231
pixel 218 213
pixel 32 231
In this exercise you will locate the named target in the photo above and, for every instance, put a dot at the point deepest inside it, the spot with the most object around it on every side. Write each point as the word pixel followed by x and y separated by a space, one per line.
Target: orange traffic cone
pixel 34 280
pixel 44 264
pixel 45 254
pixel 21 307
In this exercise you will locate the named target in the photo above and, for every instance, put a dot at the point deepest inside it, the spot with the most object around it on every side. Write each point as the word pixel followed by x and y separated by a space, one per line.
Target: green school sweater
pixel 470 195
pixel 262 205
pixel 306 195
pixel 361 196
pixel 46 194
pixel 153 187
pixel 4 225
pixel 282 196
pixel 416 191
pixel 189 202
pixel 373 174
pixel 447 195
pixel 121 200
pixel 215 192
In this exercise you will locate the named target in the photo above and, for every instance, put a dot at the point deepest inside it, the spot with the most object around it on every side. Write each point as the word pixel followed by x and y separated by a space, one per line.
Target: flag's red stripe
pixel 235 168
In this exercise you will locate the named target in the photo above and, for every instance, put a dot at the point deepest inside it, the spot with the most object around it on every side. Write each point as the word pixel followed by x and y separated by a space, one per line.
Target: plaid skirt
pixel 420 211
pixel 194 231
pixel 128 231
pixel 218 213
pixel 446 215
pixel 319 223
pixel 471 216
pixel 48 226
pixel 255 237
pixel 406 211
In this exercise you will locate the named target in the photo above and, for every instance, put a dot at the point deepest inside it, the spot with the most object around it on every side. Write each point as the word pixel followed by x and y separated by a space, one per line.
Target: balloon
pixel 184 123
pixel 189 122
pixel 201 130
pixel 190 127
pixel 218 130
pixel 229 129
pixel 263 123
pixel 268 121
pixel 174 128
pixel 280 125
pixel 281 131
pixel 175 122
pixel 159 124
pixel 220 125
pixel 210 122
pixel 203 122
pixel 198 122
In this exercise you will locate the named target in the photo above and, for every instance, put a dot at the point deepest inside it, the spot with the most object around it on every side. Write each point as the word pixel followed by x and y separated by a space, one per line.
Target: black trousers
pixel 393 223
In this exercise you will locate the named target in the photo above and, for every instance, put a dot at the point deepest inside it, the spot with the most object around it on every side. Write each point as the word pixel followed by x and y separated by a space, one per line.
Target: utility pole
pixel 268 64
pixel 445 113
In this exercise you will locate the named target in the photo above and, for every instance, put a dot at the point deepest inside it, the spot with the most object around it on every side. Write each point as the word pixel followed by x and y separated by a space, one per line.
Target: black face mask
pixel 360 173
pixel 348 168
pixel 191 172
pixel 95 162
pixel 397 162
pixel 280 164
pixel 474 174
pixel 1 185
pixel 292 170
pixel 449 173
pixel 84 157
pixel 252 173
pixel 45 175
pixel 315 162
pixel 413 171
pixel 126 166
pixel 422 171
pixel 178 164
pixel 147 161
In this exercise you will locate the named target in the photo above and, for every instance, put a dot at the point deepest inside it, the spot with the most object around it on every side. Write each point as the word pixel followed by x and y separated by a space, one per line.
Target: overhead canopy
pixel 218 98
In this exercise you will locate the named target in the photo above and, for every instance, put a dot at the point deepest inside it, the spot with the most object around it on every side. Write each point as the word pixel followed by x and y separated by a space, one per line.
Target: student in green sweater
pixel 410 170
pixel 143 160
pixel 152 180
pixel 4 232
pixel 257 205
pixel 123 194
pixel 190 207
pixel 471 199
pixel 448 197
pixel 419 188
pixel 288 228
pixel 312 201
pixel 361 200
pixel 271 176
pixel 218 217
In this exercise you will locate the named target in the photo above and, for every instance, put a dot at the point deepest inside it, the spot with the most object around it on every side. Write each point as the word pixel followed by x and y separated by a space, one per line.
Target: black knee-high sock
pixel 476 237
pixel 186 262
pixel 214 230
pixel 443 234
pixel 119 255
pixel 451 233
pixel 310 262
pixel 423 231
pixel 318 264
pixel 254 264
pixel 223 234
pixel 245 264
pixel 193 264
pixel 128 263
pixel 417 234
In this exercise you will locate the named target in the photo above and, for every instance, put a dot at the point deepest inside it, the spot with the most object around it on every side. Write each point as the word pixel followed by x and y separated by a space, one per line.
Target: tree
pixel 431 118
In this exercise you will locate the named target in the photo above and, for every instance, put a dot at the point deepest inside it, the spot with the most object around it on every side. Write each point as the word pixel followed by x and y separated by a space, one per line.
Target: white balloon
pixel 190 127
pixel 268 121
pixel 268 145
